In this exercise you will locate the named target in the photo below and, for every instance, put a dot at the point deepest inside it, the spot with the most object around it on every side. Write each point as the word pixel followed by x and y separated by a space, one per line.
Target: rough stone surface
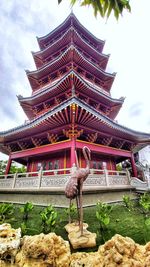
pixel 9 241
pixel 52 251
pixel 43 251
pixel 87 240
pixel 119 251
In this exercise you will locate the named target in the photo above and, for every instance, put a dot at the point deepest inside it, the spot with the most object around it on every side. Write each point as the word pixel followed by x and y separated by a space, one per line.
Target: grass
pixel 122 221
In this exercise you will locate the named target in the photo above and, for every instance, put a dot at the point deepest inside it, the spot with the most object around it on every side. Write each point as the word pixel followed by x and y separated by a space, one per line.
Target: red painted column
pixel 73 145
pixel 8 165
pixel 133 166
pixel 28 165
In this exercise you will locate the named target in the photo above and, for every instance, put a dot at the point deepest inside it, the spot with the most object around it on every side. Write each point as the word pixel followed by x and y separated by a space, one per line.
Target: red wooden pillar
pixel 133 166
pixel 73 159
pixel 28 165
pixel 8 165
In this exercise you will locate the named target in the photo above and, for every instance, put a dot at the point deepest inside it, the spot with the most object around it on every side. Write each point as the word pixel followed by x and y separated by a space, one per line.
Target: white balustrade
pixel 45 179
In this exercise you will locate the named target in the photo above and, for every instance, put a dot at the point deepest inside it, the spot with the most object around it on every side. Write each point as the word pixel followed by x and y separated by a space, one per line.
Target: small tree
pixel 26 209
pixel 3 164
pixel 13 169
pixel 48 217
pixel 144 203
pixel 103 211
pixel 127 201
pixel 17 168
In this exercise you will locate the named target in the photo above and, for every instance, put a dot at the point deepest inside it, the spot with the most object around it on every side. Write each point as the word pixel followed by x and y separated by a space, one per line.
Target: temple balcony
pixel 55 181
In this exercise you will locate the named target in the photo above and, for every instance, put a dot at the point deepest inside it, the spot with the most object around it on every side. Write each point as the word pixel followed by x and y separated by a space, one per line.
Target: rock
pixel 52 251
pixel 119 251
pixel 9 241
pixel 74 227
pixel 43 251
pixel 87 240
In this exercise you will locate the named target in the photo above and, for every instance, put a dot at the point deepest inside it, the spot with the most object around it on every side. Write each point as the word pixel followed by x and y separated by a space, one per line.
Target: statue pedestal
pixel 87 240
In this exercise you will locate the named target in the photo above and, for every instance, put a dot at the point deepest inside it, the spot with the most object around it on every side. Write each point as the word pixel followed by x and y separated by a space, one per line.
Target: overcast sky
pixel 128 42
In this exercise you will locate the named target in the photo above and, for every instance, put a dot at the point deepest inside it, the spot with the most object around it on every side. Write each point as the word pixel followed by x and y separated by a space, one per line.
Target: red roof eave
pixel 95 121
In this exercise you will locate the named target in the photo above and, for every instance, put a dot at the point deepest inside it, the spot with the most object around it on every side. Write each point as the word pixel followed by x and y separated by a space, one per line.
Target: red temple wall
pixel 62 160
pixel 53 161
pixel 98 161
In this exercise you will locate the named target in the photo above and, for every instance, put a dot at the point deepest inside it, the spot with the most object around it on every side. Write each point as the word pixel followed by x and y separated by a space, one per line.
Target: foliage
pixel 13 169
pixel 119 167
pixel 103 211
pixel 24 228
pixel 71 211
pixel 105 7
pixel 121 222
pixel 26 209
pixel 145 203
pixel 6 210
pixel 48 217
pixel 127 201
pixel 3 166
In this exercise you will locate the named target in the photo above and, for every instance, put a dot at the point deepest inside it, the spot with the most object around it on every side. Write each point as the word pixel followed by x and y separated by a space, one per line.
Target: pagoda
pixel 70 107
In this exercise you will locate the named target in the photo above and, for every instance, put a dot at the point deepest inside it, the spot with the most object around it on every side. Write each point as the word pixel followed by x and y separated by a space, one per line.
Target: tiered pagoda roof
pixel 92 124
pixel 70 92
pixel 71 20
pixel 83 88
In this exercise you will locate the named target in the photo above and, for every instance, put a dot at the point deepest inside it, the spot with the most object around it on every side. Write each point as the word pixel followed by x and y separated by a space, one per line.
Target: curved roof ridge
pixel 36 121
pixel 85 81
pixel 60 56
pixel 55 29
pixel 53 44
pixel 98 39
pixel 71 15
pixel 58 40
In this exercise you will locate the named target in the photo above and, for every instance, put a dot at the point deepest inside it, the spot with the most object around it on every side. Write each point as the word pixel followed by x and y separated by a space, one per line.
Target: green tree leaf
pixel 105 7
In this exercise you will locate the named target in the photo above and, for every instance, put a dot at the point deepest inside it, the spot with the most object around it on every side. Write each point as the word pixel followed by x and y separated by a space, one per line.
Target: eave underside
pixel 70 59
pixel 74 118
pixel 71 36
pixel 71 20
pixel 46 99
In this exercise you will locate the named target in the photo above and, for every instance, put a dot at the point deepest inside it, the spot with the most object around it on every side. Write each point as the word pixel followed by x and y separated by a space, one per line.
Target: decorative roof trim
pixel 57 41
pixel 84 81
pixel 35 122
pixel 71 47
pixel 71 15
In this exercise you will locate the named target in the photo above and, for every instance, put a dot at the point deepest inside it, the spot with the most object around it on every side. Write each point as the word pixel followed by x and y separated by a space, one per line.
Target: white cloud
pixel 127 41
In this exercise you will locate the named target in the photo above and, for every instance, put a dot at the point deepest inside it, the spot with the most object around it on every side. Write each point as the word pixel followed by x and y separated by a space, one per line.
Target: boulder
pixel 9 242
pixel 87 240
pixel 43 251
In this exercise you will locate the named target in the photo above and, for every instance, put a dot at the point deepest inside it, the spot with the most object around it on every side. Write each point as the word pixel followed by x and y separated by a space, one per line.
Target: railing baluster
pixel 58 178
pixel 40 177
pixel 106 176
pixel 14 181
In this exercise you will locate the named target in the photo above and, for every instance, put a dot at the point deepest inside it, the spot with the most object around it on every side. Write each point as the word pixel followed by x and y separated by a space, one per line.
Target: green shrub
pixel 144 202
pixel 26 209
pixel 48 217
pixel 127 201
pixel 103 211
pixel 6 211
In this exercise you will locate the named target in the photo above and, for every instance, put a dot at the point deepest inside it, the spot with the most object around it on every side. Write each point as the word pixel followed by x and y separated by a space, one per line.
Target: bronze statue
pixel 74 186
